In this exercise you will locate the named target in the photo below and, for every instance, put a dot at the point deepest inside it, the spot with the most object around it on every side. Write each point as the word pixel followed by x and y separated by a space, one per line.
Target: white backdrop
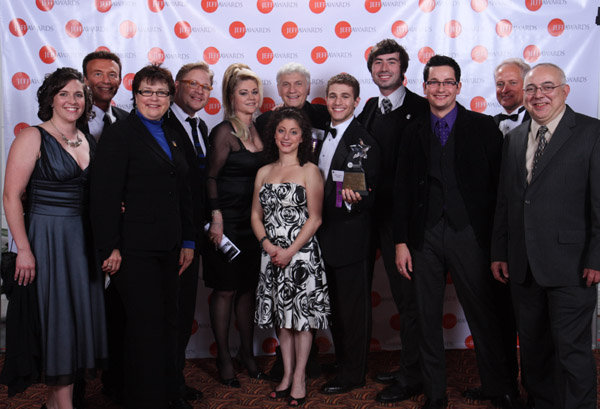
pixel 38 36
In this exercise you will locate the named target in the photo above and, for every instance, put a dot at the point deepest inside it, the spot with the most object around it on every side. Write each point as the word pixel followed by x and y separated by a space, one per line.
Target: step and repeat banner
pixel 328 37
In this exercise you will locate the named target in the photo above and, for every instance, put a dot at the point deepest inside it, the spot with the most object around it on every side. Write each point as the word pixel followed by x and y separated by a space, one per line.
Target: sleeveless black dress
pixel 69 287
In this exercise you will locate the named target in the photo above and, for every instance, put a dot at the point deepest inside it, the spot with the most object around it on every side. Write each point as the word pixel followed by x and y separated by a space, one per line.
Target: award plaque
pixel 354 174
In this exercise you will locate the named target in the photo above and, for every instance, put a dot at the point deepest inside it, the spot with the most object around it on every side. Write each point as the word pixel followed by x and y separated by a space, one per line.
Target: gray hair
pixel 292 68
pixel 521 65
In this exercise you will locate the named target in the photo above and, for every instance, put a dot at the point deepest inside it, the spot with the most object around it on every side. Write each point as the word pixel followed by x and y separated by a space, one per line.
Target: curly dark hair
pixel 52 84
pixel 153 73
pixel 271 151
pixel 389 46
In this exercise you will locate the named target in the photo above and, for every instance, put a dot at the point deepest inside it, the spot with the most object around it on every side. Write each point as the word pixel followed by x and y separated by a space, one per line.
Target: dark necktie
pixel 106 119
pixel 442 131
pixel 201 157
pixel 331 131
pixel 387 105
pixel 542 142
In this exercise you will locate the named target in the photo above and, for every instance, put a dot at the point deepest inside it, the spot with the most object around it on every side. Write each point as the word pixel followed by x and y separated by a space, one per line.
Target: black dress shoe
pixel 257 375
pixel 475 394
pixel 180 403
pixel 388 377
pixel 397 393
pixel 335 387
pixel 507 401
pixel 191 394
pixel 441 403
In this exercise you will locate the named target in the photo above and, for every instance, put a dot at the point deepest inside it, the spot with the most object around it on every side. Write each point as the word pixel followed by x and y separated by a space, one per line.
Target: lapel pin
pixel 174 144
pixel 407 116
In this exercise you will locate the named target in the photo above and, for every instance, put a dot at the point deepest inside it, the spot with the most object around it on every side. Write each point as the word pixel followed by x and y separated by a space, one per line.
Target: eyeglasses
pixel 546 88
pixel 195 85
pixel 149 93
pixel 438 83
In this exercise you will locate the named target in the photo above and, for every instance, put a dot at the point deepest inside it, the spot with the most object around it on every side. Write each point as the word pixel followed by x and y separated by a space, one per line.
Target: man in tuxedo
pixel 546 242
pixel 509 93
pixel 293 86
pixel 385 117
pixel 102 73
pixel 445 193
pixel 193 84
pixel 344 235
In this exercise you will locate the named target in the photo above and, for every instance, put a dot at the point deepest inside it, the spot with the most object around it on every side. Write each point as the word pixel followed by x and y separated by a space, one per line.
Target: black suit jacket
pixel 388 134
pixel 119 114
pixel 196 174
pixel 478 149
pixel 344 235
pixel 131 167
pixel 318 115
pixel 553 223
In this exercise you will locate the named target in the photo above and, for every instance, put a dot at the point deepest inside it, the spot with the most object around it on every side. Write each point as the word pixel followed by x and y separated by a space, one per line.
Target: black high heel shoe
pixel 295 402
pixel 280 394
pixel 231 382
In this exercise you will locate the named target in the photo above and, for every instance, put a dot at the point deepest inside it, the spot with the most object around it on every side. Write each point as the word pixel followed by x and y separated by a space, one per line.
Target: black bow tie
pixel 514 117
pixel 331 131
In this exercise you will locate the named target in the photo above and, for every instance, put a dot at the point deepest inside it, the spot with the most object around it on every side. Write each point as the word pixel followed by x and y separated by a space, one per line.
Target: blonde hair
pixel 233 75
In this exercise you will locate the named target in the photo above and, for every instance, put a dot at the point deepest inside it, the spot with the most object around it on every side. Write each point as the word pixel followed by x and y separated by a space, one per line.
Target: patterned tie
pixel 542 142
pixel 201 157
pixel 442 131
pixel 387 105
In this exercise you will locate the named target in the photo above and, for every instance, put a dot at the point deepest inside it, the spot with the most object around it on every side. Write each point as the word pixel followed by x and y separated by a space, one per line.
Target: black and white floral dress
pixel 294 297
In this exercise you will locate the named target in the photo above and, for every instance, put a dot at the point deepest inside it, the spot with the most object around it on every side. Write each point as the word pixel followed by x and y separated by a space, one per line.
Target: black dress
pixel 230 185
pixel 69 288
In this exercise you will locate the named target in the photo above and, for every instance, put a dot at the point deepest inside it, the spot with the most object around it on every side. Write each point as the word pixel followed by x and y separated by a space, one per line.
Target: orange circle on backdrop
pixel 289 29
pixel 127 29
pixel 531 53
pixel 103 48
pixel 449 321
pixel 47 54
pixel 103 5
pixel 425 54
pixel 395 322
pixel 533 5
pixel 319 54
pixel 367 52
pixel 372 6
pixel 375 299
pixel 19 127
pixel 478 104
pixel 128 81
pixel 44 5
pixel 17 27
pixel 237 29
pixel 156 56
pixel 453 28
pixel 427 5
pixel 323 344
pixel 319 101
pixel 479 5
pixel 73 28
pixel 269 345
pixel 156 5
pixel 399 29
pixel 479 53
pixel 556 27
pixel 267 105
pixel 21 81
pixel 503 28
pixel 209 6
pixel 182 29
pixel 374 345
pixel 343 29
pixel 317 6
pixel 469 342
pixel 211 55
pixel 265 6
pixel 213 106
pixel 195 327
pixel 264 55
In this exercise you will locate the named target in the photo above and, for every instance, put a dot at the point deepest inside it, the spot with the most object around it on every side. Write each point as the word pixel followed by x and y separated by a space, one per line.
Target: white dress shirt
pixel 396 98
pixel 329 147
pixel 96 124
pixel 182 116
pixel 532 142
pixel 507 125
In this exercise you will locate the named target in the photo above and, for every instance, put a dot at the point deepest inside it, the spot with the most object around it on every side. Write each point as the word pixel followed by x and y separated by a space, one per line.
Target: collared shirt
pixel 330 144
pixel 532 142
pixel 182 116
pixel 96 124
pixel 450 118
pixel 507 125
pixel 396 98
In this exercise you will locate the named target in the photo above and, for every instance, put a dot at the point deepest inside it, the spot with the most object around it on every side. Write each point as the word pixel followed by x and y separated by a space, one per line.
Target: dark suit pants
pixel 555 338
pixel 445 249
pixel 350 294
pixel 112 378
pixel 147 283
pixel 403 294
pixel 188 288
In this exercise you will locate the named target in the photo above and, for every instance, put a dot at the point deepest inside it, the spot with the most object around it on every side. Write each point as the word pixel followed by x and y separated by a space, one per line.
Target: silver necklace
pixel 70 143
